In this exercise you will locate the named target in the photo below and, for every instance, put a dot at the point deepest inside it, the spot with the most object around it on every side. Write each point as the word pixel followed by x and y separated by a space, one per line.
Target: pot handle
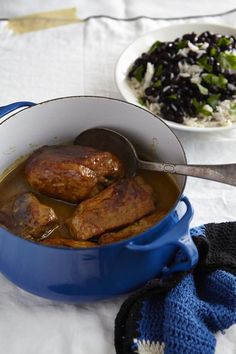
pixel 178 236
pixel 11 107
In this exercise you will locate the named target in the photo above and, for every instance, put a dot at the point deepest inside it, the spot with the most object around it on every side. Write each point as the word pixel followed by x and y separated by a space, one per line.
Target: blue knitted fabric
pixel 185 321
pixel 181 315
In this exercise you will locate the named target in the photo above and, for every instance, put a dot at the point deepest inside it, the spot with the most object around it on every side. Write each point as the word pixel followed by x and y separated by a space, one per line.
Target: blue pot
pixel 78 275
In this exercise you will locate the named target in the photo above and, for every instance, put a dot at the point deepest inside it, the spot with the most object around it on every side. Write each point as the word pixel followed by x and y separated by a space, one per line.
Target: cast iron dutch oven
pixel 78 275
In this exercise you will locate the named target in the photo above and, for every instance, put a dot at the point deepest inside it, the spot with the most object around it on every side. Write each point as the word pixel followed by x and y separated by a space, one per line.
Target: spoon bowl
pixel 110 140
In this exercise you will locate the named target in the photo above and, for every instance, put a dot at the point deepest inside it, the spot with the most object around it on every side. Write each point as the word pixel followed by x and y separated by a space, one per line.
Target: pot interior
pixel 61 120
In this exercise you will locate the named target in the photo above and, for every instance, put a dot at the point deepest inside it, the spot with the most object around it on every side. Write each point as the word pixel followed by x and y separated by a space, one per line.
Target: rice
pixel 223 116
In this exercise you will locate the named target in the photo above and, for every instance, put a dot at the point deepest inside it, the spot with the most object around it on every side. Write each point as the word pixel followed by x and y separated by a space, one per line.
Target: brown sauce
pixel 165 193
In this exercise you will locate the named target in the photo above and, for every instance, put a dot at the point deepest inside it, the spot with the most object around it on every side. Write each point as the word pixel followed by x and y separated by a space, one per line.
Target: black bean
pixel 213 89
pixel 224 47
pixel 178 58
pixel 171 47
pixel 172 90
pixel 151 91
pixel 226 96
pixel 145 56
pixel 155 78
pixel 167 113
pixel 179 119
pixel 233 39
pixel 165 56
pixel 193 55
pixel 175 70
pixel 214 38
pixel 192 37
pixel 131 74
pixel 139 61
pixel 167 73
pixel 217 67
pixel 207 34
pixel 190 109
pixel 173 113
pixel 201 38
pixel 153 59
pixel 190 61
pixel 231 78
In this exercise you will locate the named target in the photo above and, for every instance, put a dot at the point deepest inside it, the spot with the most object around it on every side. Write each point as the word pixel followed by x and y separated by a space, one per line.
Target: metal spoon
pixel 109 140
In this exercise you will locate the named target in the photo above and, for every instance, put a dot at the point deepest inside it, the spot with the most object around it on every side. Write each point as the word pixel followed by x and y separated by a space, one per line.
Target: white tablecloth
pixel 79 59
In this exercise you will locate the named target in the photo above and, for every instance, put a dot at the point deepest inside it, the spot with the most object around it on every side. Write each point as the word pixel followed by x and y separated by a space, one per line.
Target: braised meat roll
pixel 72 173
pixel 26 216
pixel 131 230
pixel 119 205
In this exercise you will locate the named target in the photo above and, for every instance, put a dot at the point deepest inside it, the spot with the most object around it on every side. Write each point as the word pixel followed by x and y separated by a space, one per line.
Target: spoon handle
pixel 219 173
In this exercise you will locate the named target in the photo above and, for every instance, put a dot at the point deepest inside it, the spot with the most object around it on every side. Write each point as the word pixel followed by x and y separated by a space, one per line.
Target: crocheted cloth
pixel 180 314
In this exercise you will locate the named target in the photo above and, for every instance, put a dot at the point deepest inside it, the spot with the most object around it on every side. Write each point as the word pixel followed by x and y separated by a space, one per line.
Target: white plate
pixel 142 44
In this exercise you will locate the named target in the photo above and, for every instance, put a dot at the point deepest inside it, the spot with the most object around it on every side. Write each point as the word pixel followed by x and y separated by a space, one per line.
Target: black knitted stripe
pixel 222 247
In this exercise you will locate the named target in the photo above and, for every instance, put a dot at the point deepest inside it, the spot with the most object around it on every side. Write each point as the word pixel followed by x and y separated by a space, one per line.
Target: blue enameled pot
pixel 78 275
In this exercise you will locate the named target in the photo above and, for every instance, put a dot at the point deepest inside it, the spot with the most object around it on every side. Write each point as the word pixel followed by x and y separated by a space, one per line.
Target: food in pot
pixel 72 173
pixel 121 208
pixel 26 216
pixel 190 81
pixel 119 205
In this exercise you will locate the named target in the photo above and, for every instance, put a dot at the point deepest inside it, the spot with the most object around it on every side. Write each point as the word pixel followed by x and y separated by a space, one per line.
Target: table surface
pixel 63 61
